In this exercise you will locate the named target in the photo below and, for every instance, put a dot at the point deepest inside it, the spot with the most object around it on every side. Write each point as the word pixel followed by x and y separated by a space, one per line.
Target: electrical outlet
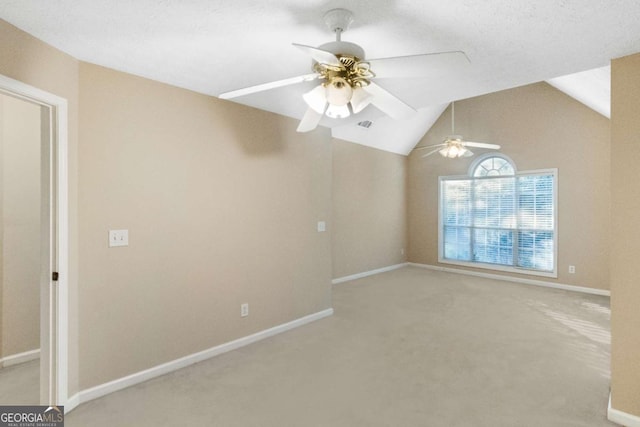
pixel 572 269
pixel 244 309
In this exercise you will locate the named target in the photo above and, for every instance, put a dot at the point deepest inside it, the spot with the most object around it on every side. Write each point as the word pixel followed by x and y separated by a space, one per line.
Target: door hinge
pixel 54 276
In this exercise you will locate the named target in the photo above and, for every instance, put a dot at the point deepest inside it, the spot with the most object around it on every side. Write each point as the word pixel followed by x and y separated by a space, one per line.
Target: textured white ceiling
pixel 396 136
pixel 214 46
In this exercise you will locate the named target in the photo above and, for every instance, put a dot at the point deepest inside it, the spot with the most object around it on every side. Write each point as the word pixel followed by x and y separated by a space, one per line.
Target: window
pixel 498 218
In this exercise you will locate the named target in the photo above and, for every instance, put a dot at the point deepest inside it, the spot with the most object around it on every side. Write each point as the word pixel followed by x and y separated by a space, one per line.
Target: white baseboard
pixel 72 403
pixel 622 418
pixel 368 273
pixel 543 283
pixel 142 376
pixel 16 359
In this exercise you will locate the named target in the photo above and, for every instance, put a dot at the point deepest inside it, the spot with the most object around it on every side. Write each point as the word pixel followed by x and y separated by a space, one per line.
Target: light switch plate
pixel 322 226
pixel 118 238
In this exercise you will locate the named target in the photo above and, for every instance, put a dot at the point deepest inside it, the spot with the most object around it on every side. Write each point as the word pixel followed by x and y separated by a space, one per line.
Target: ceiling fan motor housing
pixel 353 70
pixel 344 48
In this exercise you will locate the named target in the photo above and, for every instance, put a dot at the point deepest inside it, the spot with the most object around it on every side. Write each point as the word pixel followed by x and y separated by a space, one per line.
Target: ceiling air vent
pixel 365 124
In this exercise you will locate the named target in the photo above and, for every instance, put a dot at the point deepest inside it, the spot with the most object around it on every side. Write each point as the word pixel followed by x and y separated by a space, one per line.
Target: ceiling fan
pixel 346 80
pixel 453 145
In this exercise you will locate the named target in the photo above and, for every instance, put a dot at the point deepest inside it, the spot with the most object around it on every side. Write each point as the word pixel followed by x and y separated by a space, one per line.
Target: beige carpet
pixel 411 347
pixel 20 384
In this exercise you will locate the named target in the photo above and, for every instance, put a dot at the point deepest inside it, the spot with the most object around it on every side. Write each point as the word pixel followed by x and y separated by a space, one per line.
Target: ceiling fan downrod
pixel 453 117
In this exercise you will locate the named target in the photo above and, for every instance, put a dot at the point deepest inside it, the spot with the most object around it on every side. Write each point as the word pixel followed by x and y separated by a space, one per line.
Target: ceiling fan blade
pixel 424 65
pixel 310 120
pixel 319 55
pixel 268 86
pixel 431 152
pixel 388 103
pixel 430 146
pixel 467 153
pixel 480 145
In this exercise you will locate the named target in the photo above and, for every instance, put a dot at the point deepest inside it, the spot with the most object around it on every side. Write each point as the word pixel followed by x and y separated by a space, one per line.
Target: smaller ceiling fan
pixel 453 145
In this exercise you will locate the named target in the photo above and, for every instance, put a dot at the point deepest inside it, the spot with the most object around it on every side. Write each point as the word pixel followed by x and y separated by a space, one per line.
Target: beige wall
pixel 538 127
pixel 625 205
pixel 1 222
pixel 20 236
pixel 369 208
pixel 27 59
pixel 221 202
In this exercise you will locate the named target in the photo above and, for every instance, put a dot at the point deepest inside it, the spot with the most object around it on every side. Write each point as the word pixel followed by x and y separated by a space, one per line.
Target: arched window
pixel 499 218
pixel 492 165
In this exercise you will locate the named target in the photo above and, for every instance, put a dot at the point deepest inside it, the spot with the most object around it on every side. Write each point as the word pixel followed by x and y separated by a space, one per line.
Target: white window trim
pixel 497 267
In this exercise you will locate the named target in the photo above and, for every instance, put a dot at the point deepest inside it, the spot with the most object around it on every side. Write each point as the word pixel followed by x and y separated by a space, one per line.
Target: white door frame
pixel 57 293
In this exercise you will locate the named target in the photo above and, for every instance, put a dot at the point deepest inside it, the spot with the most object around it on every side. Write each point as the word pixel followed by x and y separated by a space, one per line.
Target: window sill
pixel 500 268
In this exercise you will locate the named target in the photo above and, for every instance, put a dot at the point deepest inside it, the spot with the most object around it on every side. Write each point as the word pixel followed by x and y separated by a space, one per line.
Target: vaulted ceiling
pixel 213 46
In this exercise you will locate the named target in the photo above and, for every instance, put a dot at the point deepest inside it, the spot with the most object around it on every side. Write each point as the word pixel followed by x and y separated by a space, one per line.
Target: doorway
pixel 33 241
pixel 21 218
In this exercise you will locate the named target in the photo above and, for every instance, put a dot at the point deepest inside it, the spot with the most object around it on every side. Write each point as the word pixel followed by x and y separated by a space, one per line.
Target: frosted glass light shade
pixel 453 151
pixel 316 99
pixel 338 111
pixel 359 100
pixel 338 92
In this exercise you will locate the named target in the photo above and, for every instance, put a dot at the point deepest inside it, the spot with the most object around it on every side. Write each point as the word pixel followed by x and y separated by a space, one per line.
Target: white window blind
pixel 503 221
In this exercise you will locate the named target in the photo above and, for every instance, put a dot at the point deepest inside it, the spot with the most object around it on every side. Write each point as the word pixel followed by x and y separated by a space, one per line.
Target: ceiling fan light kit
pixel 339 95
pixel 347 85
pixel 454 151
